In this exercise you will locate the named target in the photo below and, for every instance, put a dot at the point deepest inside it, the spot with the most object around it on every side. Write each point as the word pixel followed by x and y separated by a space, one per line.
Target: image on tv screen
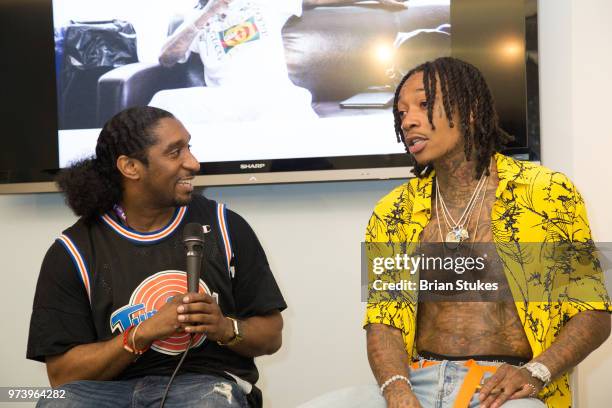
pixel 249 79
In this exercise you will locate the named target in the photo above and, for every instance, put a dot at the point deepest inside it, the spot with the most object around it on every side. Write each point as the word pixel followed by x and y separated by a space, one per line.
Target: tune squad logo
pixel 147 299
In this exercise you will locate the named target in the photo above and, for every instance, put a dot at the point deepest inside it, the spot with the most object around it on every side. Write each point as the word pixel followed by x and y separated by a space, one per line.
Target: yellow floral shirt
pixel 533 205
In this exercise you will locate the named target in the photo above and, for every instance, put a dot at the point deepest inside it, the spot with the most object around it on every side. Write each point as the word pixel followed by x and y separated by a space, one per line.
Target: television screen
pixel 263 86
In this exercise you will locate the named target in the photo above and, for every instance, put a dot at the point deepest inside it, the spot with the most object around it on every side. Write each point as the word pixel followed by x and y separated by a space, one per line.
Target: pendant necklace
pixel 451 243
pixel 457 230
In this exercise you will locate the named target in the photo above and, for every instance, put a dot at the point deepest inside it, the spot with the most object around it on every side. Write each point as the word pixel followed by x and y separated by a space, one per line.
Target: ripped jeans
pixel 187 391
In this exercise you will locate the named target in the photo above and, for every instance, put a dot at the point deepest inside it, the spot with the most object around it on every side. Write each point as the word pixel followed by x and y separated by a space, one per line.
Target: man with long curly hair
pixel 111 315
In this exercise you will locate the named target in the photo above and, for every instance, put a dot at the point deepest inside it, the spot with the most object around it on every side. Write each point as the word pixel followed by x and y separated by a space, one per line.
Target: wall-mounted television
pixel 271 91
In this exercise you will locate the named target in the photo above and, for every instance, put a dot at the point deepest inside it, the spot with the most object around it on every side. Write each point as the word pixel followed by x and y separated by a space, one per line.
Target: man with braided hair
pixel 458 351
pixel 111 318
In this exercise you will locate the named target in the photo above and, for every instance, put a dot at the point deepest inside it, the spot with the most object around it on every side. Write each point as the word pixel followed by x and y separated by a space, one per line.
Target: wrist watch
pixel 237 338
pixel 539 371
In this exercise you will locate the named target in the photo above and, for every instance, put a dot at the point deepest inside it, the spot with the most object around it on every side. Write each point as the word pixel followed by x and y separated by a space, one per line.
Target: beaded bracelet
pixel 392 379
pixel 126 335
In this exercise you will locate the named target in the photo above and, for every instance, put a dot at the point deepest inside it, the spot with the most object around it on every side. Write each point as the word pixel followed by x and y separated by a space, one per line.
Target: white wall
pixel 576 85
pixel 312 231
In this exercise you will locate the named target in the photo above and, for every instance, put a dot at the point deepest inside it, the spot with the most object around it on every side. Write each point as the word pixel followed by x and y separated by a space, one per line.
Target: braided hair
pixel 464 91
pixel 93 185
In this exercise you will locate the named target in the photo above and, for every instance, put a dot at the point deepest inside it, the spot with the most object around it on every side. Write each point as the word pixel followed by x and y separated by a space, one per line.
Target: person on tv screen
pixel 513 352
pixel 241 48
pixel 112 317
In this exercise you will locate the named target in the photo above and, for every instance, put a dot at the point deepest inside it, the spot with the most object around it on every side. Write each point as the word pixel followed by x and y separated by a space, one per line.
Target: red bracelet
pixel 126 343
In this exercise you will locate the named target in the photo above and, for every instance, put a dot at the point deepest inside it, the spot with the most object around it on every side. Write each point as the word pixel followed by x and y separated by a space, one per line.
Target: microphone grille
pixel 193 232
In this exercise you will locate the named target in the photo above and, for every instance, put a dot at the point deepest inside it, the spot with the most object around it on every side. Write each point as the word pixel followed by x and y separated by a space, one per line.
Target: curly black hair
pixel 465 91
pixel 92 186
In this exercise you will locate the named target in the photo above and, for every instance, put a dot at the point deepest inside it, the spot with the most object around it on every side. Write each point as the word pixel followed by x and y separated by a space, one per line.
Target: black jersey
pixel 100 277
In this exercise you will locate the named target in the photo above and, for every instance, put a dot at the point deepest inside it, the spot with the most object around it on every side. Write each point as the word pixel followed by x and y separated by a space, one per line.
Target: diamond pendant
pixel 457 234
pixel 451 242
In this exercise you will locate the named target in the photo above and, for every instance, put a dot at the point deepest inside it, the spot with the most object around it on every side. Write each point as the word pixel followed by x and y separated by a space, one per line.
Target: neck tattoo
pixel 458 230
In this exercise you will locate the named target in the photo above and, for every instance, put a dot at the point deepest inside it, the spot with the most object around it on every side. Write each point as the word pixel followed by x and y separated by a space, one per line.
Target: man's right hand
pixel 402 402
pixel 400 396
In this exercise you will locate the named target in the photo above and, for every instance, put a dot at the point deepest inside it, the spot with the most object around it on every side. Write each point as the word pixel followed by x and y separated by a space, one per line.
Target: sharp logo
pixel 250 166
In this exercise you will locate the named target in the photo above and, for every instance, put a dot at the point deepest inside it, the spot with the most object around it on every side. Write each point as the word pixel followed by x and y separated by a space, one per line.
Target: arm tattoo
pixel 581 335
pixel 386 352
pixel 176 47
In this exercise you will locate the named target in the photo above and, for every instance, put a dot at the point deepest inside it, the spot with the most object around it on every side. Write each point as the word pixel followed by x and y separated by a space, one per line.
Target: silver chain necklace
pixel 452 245
pixel 457 230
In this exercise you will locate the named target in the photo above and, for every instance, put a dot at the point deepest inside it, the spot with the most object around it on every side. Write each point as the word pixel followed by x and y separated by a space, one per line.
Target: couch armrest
pixel 134 85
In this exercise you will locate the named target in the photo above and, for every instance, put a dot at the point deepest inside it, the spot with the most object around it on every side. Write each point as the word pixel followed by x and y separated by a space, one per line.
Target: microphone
pixel 193 239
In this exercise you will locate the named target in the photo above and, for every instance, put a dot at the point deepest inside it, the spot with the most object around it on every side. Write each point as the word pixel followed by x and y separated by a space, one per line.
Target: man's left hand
pixel 200 313
pixel 508 382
